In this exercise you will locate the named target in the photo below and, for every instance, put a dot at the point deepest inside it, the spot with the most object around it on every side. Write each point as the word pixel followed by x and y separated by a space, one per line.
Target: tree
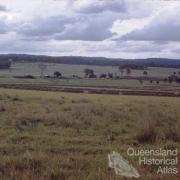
pixel 103 76
pixel 57 74
pixel 110 75
pixel 42 68
pixel 92 76
pixel 145 73
pixel 88 72
pixel 174 76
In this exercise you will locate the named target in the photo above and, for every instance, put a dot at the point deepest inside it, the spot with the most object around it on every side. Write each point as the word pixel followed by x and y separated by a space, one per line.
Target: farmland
pixel 54 135
pixel 19 69
pixel 64 128
pixel 89 90
pixel 22 69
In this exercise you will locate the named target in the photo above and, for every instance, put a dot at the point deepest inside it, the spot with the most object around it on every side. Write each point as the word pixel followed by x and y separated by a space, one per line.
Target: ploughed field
pixel 56 135
pixel 143 91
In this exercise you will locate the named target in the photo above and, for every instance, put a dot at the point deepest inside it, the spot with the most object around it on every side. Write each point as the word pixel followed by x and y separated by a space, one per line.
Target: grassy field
pixel 51 135
pixel 20 69
pixel 80 82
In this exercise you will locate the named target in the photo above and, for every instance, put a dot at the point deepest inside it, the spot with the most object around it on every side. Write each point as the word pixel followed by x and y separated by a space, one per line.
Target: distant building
pixel 5 64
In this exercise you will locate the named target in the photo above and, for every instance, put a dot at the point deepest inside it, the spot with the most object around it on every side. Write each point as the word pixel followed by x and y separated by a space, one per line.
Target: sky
pixel 107 28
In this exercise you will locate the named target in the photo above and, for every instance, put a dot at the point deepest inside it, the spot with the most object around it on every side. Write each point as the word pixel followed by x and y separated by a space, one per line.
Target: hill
pixel 100 61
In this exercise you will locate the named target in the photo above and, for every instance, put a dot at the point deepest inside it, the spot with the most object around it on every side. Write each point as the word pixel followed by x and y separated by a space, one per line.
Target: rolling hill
pixel 100 61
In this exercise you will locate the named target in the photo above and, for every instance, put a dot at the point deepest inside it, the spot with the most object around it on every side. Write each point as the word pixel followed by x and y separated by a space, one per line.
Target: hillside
pixel 101 61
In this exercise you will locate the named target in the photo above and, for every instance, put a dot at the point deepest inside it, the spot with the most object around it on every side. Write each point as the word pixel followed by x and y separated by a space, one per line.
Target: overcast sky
pixel 109 28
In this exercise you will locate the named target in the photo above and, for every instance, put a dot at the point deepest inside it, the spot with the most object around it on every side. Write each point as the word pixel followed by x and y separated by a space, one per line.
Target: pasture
pixel 20 69
pixel 52 135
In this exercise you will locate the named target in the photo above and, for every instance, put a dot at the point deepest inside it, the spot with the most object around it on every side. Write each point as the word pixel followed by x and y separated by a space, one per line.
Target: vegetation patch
pixel 52 135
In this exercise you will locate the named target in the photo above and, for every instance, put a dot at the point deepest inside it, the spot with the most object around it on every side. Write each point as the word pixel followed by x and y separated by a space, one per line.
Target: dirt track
pixel 96 90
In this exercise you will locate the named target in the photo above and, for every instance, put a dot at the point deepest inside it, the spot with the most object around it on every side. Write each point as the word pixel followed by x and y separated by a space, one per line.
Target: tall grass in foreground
pixel 152 129
pixel 46 135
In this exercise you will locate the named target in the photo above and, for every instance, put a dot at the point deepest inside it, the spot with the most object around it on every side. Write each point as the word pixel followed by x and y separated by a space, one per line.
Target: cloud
pixel 3 27
pixel 163 27
pixel 112 28
pixel 99 6
pixel 64 28
pixel 93 28
pixel 42 27
pixel 143 46
pixel 77 27
pixel 3 8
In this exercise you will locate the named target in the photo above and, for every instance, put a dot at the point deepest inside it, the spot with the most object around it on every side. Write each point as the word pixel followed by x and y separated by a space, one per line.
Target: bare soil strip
pixel 96 90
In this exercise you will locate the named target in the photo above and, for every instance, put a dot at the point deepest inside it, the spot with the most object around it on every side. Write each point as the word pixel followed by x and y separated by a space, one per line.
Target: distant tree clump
pixel 145 73
pixel 110 75
pixel 103 76
pixel 89 73
pixel 92 76
pixel 57 74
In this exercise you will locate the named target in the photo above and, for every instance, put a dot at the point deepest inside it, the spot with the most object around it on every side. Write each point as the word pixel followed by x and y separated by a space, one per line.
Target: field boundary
pixel 95 90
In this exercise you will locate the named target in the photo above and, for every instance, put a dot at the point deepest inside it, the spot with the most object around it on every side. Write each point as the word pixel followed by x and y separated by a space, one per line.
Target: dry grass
pixel 172 133
pixel 48 135
pixel 147 134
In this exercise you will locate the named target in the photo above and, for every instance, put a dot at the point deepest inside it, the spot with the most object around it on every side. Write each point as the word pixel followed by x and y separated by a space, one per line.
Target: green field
pixel 54 136
pixel 20 69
